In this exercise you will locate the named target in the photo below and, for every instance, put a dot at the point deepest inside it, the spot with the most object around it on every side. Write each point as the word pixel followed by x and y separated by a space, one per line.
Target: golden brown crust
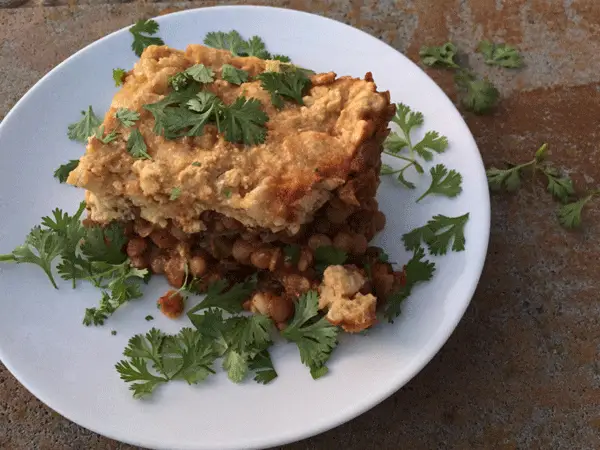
pixel 328 148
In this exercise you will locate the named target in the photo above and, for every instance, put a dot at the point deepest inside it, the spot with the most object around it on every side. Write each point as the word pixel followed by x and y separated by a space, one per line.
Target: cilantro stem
pixel 412 161
pixel 424 195
pixel 7 258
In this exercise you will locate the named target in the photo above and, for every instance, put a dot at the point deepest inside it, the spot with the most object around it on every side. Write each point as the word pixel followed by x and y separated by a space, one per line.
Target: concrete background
pixel 522 369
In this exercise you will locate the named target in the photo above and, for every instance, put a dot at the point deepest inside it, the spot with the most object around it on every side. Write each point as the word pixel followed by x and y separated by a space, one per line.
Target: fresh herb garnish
pixel 119 76
pixel 569 215
pixel 262 365
pixel 86 127
pixel 396 142
pixel 62 173
pixel 291 85
pixel 314 335
pixel 127 117
pixel 148 318
pixel 105 139
pixel 502 55
pixel 478 95
pixel 136 146
pixel 438 233
pixel 243 121
pixel 142 33
pixel 175 193
pixel 416 270
pixel 157 358
pixel 442 56
pixel 443 182
pixel 230 299
pixel 509 179
pixel 233 75
pixel 234 43
pixel 199 73
pixel 93 254
pixel 196 164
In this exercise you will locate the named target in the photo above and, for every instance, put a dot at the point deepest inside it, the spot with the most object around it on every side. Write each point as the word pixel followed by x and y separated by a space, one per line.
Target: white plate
pixel 70 367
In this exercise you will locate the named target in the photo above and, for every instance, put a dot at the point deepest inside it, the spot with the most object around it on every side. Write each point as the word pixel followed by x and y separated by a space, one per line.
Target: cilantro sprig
pixel 509 179
pixel 93 254
pixel 156 358
pixel 569 215
pixel 438 233
pixel 86 127
pixel 127 117
pixel 62 173
pixel 501 55
pixel 143 32
pixel 314 335
pixel 291 85
pixel 198 73
pixel 397 142
pixel 417 270
pixel 186 112
pixel 233 75
pixel 443 182
pixel 238 46
pixel 477 94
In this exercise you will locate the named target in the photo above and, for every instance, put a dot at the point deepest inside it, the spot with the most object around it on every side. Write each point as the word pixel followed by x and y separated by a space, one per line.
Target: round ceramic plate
pixel 71 367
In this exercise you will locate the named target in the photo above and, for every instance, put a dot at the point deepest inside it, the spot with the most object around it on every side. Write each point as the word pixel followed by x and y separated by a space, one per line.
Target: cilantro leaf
pixel 291 85
pixel 62 173
pixel 105 244
pixel 262 365
pixel 188 356
pixel 230 300
pixel 234 43
pixel 569 215
pixel 245 338
pixel 509 179
pixel 41 247
pixel 233 75
pixel 437 234
pixel 231 41
pixel 396 142
pixel 136 145
pixel 479 96
pixel 135 371
pixel 142 33
pixel 501 55
pixel 328 255
pixel 105 139
pixel 175 193
pixel 442 56
pixel 432 141
pixel 443 182
pixel 200 73
pixel 256 47
pixel 86 127
pixel 243 121
pixel 71 231
pixel 561 187
pixel 282 58
pixel 127 117
pixel 314 335
pixel 119 76
pixel 416 270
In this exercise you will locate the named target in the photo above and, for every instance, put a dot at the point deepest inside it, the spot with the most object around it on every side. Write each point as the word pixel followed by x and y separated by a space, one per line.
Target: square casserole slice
pixel 320 159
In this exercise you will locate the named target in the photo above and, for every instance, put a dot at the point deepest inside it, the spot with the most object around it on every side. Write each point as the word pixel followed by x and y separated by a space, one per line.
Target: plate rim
pixel 344 416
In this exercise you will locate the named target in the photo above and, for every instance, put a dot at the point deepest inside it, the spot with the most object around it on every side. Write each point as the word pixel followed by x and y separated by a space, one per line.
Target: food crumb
pixel 171 304
pixel 113 332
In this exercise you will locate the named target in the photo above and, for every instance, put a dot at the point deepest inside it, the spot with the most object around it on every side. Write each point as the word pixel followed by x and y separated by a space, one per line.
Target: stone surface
pixel 522 369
